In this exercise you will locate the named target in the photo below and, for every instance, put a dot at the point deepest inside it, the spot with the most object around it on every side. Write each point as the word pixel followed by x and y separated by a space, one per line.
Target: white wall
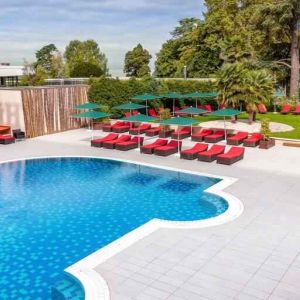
pixel 11 109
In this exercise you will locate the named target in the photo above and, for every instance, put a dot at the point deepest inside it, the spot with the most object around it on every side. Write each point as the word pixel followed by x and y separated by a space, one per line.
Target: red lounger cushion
pixel 255 137
pixel 239 136
pixel 233 153
pixel 169 146
pixel 286 109
pixel 218 133
pixel 157 143
pixel 203 132
pixel 141 127
pixel 109 137
pixel 214 150
pixel 196 149
pixel 122 138
pixel 6 137
pixel 135 140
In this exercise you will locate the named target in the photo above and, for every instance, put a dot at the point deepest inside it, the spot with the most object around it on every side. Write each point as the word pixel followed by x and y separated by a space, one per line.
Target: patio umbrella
pixel 179 121
pixel 146 98
pixel 193 111
pixel 91 115
pixel 88 105
pixel 200 95
pixel 227 112
pixel 129 106
pixel 172 95
pixel 139 118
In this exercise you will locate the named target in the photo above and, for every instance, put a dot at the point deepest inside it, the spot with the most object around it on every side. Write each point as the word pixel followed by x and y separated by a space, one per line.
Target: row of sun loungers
pixel 285 109
pixel 163 147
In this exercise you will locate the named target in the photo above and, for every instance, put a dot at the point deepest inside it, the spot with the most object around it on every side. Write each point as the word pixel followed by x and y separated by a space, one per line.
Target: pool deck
pixel 256 256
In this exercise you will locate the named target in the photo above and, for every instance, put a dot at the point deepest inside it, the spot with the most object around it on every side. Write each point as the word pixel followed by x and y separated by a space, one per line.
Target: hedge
pixel 112 92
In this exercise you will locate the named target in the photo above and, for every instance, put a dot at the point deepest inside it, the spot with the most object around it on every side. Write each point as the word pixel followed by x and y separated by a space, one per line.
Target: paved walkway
pixel 257 256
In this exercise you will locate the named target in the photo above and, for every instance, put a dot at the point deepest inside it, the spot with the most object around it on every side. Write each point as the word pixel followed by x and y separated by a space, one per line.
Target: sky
pixel 117 25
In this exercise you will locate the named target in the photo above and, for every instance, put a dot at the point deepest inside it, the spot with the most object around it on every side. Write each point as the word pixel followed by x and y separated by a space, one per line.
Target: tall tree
pixel 280 20
pixel 44 57
pixel 85 59
pixel 137 62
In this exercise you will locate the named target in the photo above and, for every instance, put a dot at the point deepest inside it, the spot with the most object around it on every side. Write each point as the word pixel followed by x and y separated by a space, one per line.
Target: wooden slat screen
pixel 48 110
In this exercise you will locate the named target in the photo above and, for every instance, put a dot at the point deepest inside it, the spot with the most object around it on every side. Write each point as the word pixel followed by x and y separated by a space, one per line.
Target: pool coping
pixel 94 284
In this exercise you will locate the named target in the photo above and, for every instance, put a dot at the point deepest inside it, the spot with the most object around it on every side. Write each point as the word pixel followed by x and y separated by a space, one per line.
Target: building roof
pixel 7 71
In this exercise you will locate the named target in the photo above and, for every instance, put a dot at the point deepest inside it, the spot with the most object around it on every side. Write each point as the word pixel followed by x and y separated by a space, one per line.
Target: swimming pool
pixel 54 212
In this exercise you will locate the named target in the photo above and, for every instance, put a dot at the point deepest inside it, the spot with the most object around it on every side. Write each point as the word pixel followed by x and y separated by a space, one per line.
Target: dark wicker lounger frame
pixel 208 158
pixel 251 143
pixel 229 161
pixel 209 139
pixel 165 152
pixel 181 136
pixel 235 142
pixel 189 156
pixel 121 129
pixel 127 147
pixel 7 141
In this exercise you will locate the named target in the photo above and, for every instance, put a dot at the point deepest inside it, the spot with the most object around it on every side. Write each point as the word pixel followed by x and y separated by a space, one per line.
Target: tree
pixel 187 47
pixel 280 20
pixel 85 59
pixel 137 62
pixel 44 57
pixel 238 83
pixel 33 75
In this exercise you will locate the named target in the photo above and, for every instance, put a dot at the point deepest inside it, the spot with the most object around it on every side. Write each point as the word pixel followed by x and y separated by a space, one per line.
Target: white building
pixel 10 75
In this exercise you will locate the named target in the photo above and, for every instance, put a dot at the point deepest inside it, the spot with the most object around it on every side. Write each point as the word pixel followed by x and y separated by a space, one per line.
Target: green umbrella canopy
pixel 180 121
pixel 145 97
pixel 192 111
pixel 92 115
pixel 129 106
pixel 88 106
pixel 139 118
pixel 201 95
pixel 227 112
pixel 171 95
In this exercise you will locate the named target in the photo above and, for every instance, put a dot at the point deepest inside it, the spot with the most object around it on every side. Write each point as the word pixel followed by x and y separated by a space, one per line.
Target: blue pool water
pixel 54 212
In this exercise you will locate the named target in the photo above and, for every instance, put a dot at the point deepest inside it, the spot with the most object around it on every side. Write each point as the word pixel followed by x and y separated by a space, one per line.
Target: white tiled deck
pixel 257 256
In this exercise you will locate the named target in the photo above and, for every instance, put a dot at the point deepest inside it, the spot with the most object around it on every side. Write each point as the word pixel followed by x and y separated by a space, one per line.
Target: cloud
pixel 117 25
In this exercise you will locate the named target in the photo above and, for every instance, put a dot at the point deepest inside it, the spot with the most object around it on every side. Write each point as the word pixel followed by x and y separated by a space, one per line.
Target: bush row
pixel 112 92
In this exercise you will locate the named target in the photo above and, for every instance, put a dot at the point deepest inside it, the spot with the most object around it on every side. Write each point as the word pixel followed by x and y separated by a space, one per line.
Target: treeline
pixel 80 59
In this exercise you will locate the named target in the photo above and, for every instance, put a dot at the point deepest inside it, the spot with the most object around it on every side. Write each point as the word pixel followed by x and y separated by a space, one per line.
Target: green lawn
pixel 292 120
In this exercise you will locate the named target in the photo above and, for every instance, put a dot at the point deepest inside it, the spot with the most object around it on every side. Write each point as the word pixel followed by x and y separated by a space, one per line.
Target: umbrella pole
pixel 147 107
pixel 173 106
pixel 178 141
pixel 225 130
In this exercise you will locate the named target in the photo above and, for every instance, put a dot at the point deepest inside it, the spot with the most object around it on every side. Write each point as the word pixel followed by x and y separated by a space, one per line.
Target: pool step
pixel 67 289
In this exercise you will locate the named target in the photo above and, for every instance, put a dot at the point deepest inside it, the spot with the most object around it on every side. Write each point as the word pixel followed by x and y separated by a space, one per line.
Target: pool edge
pixel 94 284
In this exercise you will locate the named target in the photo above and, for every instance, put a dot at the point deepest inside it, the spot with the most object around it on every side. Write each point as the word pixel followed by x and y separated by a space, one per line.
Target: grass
pixel 291 120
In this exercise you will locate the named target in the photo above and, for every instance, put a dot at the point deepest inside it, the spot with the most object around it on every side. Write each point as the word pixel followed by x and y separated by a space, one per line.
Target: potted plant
pixel 267 142
pixel 165 131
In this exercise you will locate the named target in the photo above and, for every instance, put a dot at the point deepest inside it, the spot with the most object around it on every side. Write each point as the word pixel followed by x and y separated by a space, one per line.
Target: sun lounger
pixel 297 110
pixel 171 148
pixel 109 127
pixel 262 108
pixel 211 154
pixel 217 136
pixel 208 108
pixel 286 108
pixel 7 139
pixel 253 141
pixel 149 149
pixel 112 144
pixel 121 128
pixel 135 142
pixel 199 136
pixel 237 139
pixel 153 131
pixel 140 129
pixel 233 155
pixel 192 153
pixel 181 133
pixel 99 142
pixel 153 113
